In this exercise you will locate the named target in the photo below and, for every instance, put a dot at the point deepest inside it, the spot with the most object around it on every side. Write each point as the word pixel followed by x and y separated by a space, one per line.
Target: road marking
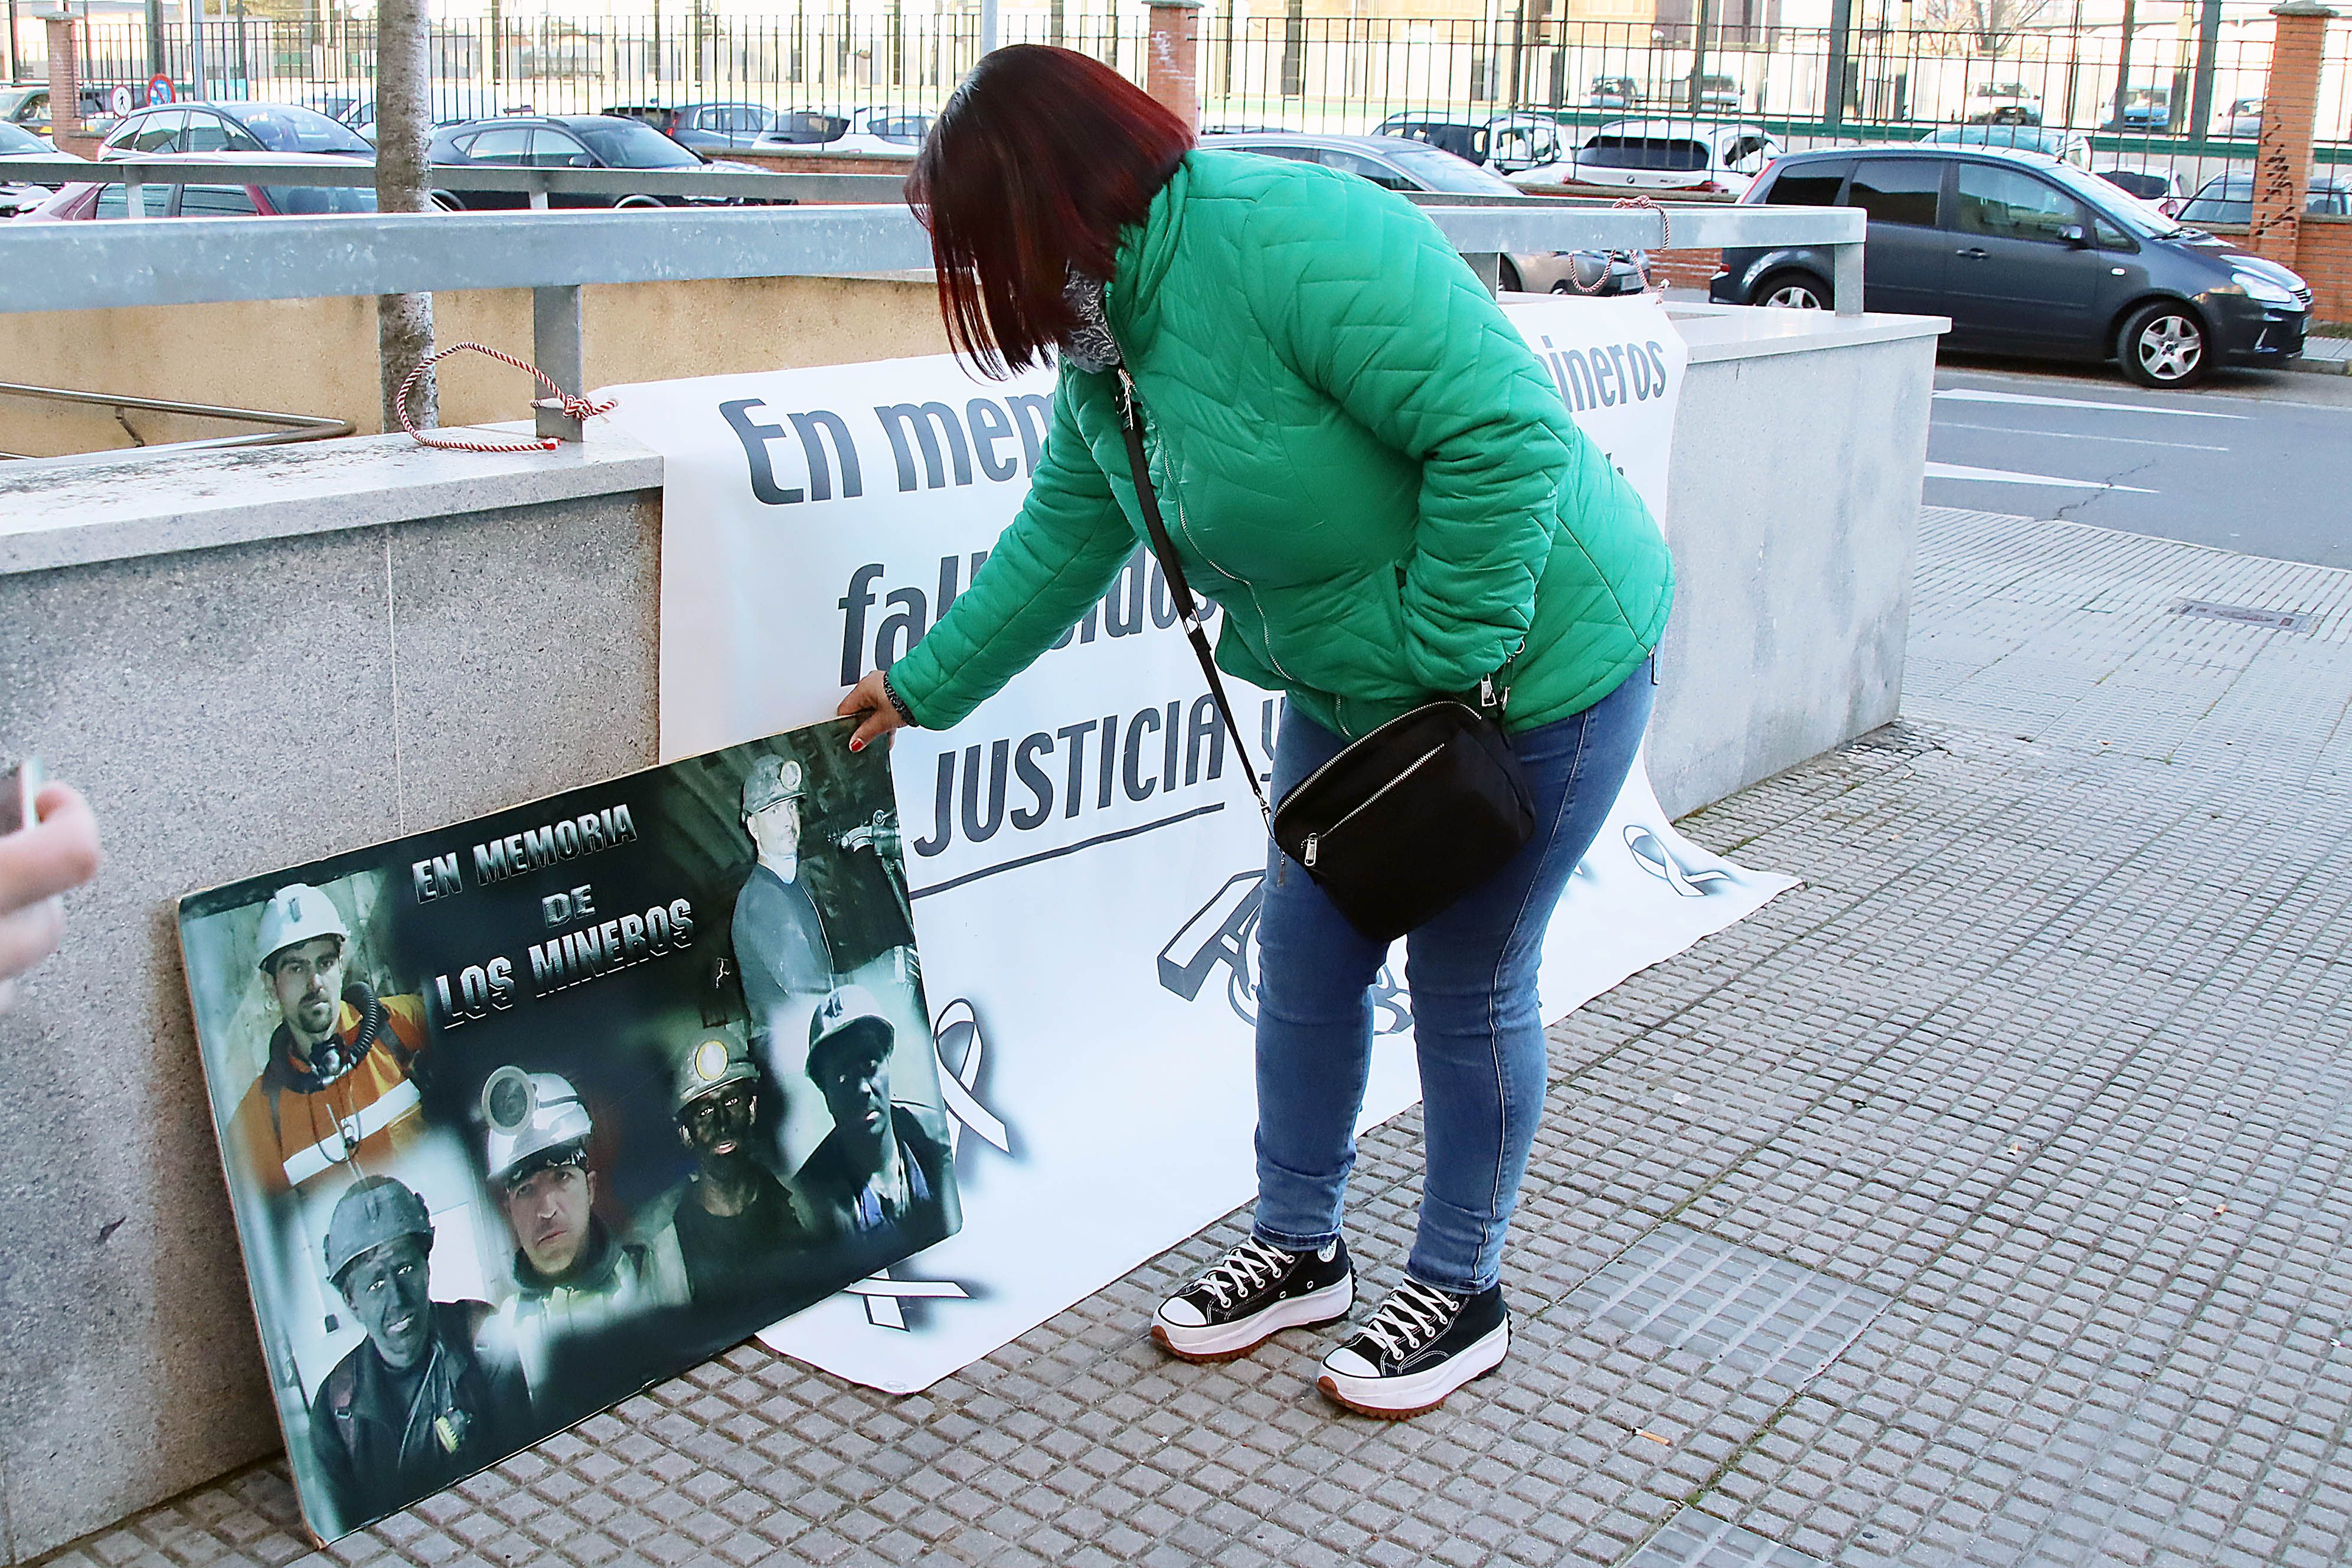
pixel 2003 477
pixel 2076 435
pixel 1971 395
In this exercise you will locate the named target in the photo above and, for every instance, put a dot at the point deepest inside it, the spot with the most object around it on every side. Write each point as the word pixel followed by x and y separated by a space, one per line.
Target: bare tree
pixel 1993 26
pixel 403 91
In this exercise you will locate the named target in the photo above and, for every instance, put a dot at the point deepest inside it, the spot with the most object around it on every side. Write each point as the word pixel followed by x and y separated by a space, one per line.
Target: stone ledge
pixel 71 511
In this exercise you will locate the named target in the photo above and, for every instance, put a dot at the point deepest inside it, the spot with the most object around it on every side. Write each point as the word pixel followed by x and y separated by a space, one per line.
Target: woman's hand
pixel 43 860
pixel 870 698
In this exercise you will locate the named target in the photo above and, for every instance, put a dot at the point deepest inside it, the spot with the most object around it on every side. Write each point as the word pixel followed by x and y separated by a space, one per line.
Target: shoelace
pixel 1410 1319
pixel 1242 1271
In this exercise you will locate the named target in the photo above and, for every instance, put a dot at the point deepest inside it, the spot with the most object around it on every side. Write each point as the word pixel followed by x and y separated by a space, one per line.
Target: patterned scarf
pixel 1088 345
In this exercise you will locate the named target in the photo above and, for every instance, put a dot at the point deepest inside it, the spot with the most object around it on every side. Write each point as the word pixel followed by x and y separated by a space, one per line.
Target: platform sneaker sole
pixel 1395 1398
pixel 1227 1341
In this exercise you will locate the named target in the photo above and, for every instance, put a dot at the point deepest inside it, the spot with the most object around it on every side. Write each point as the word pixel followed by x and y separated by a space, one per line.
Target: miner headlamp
pixel 529 1114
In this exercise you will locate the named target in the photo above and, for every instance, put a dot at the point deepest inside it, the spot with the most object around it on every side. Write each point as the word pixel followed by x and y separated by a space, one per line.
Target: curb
pixel 2309 366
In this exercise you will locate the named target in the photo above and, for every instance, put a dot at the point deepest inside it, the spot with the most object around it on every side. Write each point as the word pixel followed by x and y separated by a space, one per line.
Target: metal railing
pixel 101 266
pixel 782 188
pixel 288 428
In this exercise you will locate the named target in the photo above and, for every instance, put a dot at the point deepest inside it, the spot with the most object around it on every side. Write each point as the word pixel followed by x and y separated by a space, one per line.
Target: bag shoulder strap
pixel 1131 425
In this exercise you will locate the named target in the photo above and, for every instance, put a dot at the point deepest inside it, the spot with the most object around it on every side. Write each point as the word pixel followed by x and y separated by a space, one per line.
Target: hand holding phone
pixel 20 787
pixel 51 847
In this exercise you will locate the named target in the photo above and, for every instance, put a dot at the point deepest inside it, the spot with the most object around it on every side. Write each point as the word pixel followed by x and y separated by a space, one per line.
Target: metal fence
pixel 2175 83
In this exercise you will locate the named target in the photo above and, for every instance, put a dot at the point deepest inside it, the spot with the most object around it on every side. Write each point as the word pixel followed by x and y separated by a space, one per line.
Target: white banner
pixel 1084 863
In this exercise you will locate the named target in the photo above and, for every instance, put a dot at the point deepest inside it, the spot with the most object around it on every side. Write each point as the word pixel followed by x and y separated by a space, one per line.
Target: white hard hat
pixel 296 914
pixel 529 1114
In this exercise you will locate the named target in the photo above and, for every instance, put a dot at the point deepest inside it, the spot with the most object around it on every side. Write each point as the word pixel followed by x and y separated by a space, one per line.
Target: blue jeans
pixel 1477 1027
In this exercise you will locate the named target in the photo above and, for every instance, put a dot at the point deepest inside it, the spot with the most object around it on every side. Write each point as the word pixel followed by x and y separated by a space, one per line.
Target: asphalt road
pixel 2257 463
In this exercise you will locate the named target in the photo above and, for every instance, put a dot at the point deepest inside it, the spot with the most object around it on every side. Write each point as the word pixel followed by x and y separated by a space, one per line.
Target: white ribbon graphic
pixel 1652 856
pixel 882 1294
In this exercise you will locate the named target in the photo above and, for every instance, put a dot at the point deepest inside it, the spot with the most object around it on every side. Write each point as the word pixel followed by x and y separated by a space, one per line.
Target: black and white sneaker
pixel 1420 1346
pixel 1253 1292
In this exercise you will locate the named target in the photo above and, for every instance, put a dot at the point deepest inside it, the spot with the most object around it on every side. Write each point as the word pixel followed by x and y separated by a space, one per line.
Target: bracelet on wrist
pixel 898 701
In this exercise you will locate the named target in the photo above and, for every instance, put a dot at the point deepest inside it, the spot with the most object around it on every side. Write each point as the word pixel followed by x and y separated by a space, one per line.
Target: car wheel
pixel 1793 291
pixel 2164 344
pixel 1507 279
pixel 637 202
pixel 447 201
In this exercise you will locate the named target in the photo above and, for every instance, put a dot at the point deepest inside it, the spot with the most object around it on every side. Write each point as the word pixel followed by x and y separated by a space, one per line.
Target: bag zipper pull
pixel 1485 691
pixel 1308 859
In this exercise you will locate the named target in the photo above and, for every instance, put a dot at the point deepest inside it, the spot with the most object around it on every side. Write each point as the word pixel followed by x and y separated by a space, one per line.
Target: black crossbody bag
pixel 1403 823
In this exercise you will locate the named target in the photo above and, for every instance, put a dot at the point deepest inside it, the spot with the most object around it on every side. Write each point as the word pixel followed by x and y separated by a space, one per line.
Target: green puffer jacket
pixel 1360 461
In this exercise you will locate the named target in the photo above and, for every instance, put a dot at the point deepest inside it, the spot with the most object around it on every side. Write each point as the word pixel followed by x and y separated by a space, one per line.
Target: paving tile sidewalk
pixel 1982 1201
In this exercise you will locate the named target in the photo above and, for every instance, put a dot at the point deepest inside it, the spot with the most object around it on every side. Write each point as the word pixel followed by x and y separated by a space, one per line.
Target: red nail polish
pixel 857 745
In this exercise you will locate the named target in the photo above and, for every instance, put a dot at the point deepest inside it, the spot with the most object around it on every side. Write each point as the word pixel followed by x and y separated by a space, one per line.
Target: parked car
pixel 28 108
pixel 452 104
pixel 1662 155
pixel 570 142
pixel 1613 92
pixel 704 127
pixel 1720 93
pixel 2229 198
pixel 2144 109
pixel 23 195
pixel 213 189
pixel 1506 143
pixel 2244 119
pixel 873 131
pixel 807 127
pixel 2162 189
pixel 230 127
pixel 2070 146
pixel 2004 104
pixel 2029 255
pixel 1402 164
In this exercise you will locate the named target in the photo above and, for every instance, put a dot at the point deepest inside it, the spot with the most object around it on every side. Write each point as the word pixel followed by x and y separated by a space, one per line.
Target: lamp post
pixel 193 13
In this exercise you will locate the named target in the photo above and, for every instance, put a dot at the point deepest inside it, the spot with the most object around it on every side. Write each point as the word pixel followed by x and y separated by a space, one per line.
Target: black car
pixel 2028 255
pixel 569 142
pixel 230 127
pixel 2229 198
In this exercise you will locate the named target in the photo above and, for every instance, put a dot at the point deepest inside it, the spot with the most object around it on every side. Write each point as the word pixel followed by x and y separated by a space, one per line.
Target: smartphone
pixel 18 786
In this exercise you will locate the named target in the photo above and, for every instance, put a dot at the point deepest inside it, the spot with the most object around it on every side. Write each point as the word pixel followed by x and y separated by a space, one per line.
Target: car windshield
pixel 285 128
pixel 19 142
pixel 1673 152
pixel 2142 220
pixel 1442 171
pixel 313 201
pixel 632 144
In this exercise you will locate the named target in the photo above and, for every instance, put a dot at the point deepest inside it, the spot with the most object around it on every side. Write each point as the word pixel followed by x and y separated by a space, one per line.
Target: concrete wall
pixel 244 354
pixel 1795 506
pixel 231 709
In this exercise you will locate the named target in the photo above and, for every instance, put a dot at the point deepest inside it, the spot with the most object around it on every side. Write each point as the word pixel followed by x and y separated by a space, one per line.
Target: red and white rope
pixel 574 406
pixel 1650 282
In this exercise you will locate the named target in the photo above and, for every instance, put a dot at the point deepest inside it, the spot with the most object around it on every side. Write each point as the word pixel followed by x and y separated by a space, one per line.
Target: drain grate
pixel 1693 1539
pixel 2272 620
pixel 1732 1304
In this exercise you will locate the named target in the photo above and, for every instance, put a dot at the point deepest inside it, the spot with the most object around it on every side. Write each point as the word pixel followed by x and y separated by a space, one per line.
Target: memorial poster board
pixel 522 1114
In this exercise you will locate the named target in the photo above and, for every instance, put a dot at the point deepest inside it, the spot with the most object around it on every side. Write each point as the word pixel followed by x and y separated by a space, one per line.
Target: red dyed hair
pixel 1038 161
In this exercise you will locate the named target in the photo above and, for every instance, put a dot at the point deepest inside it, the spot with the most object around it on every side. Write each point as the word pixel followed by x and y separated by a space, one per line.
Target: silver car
pixel 1402 164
